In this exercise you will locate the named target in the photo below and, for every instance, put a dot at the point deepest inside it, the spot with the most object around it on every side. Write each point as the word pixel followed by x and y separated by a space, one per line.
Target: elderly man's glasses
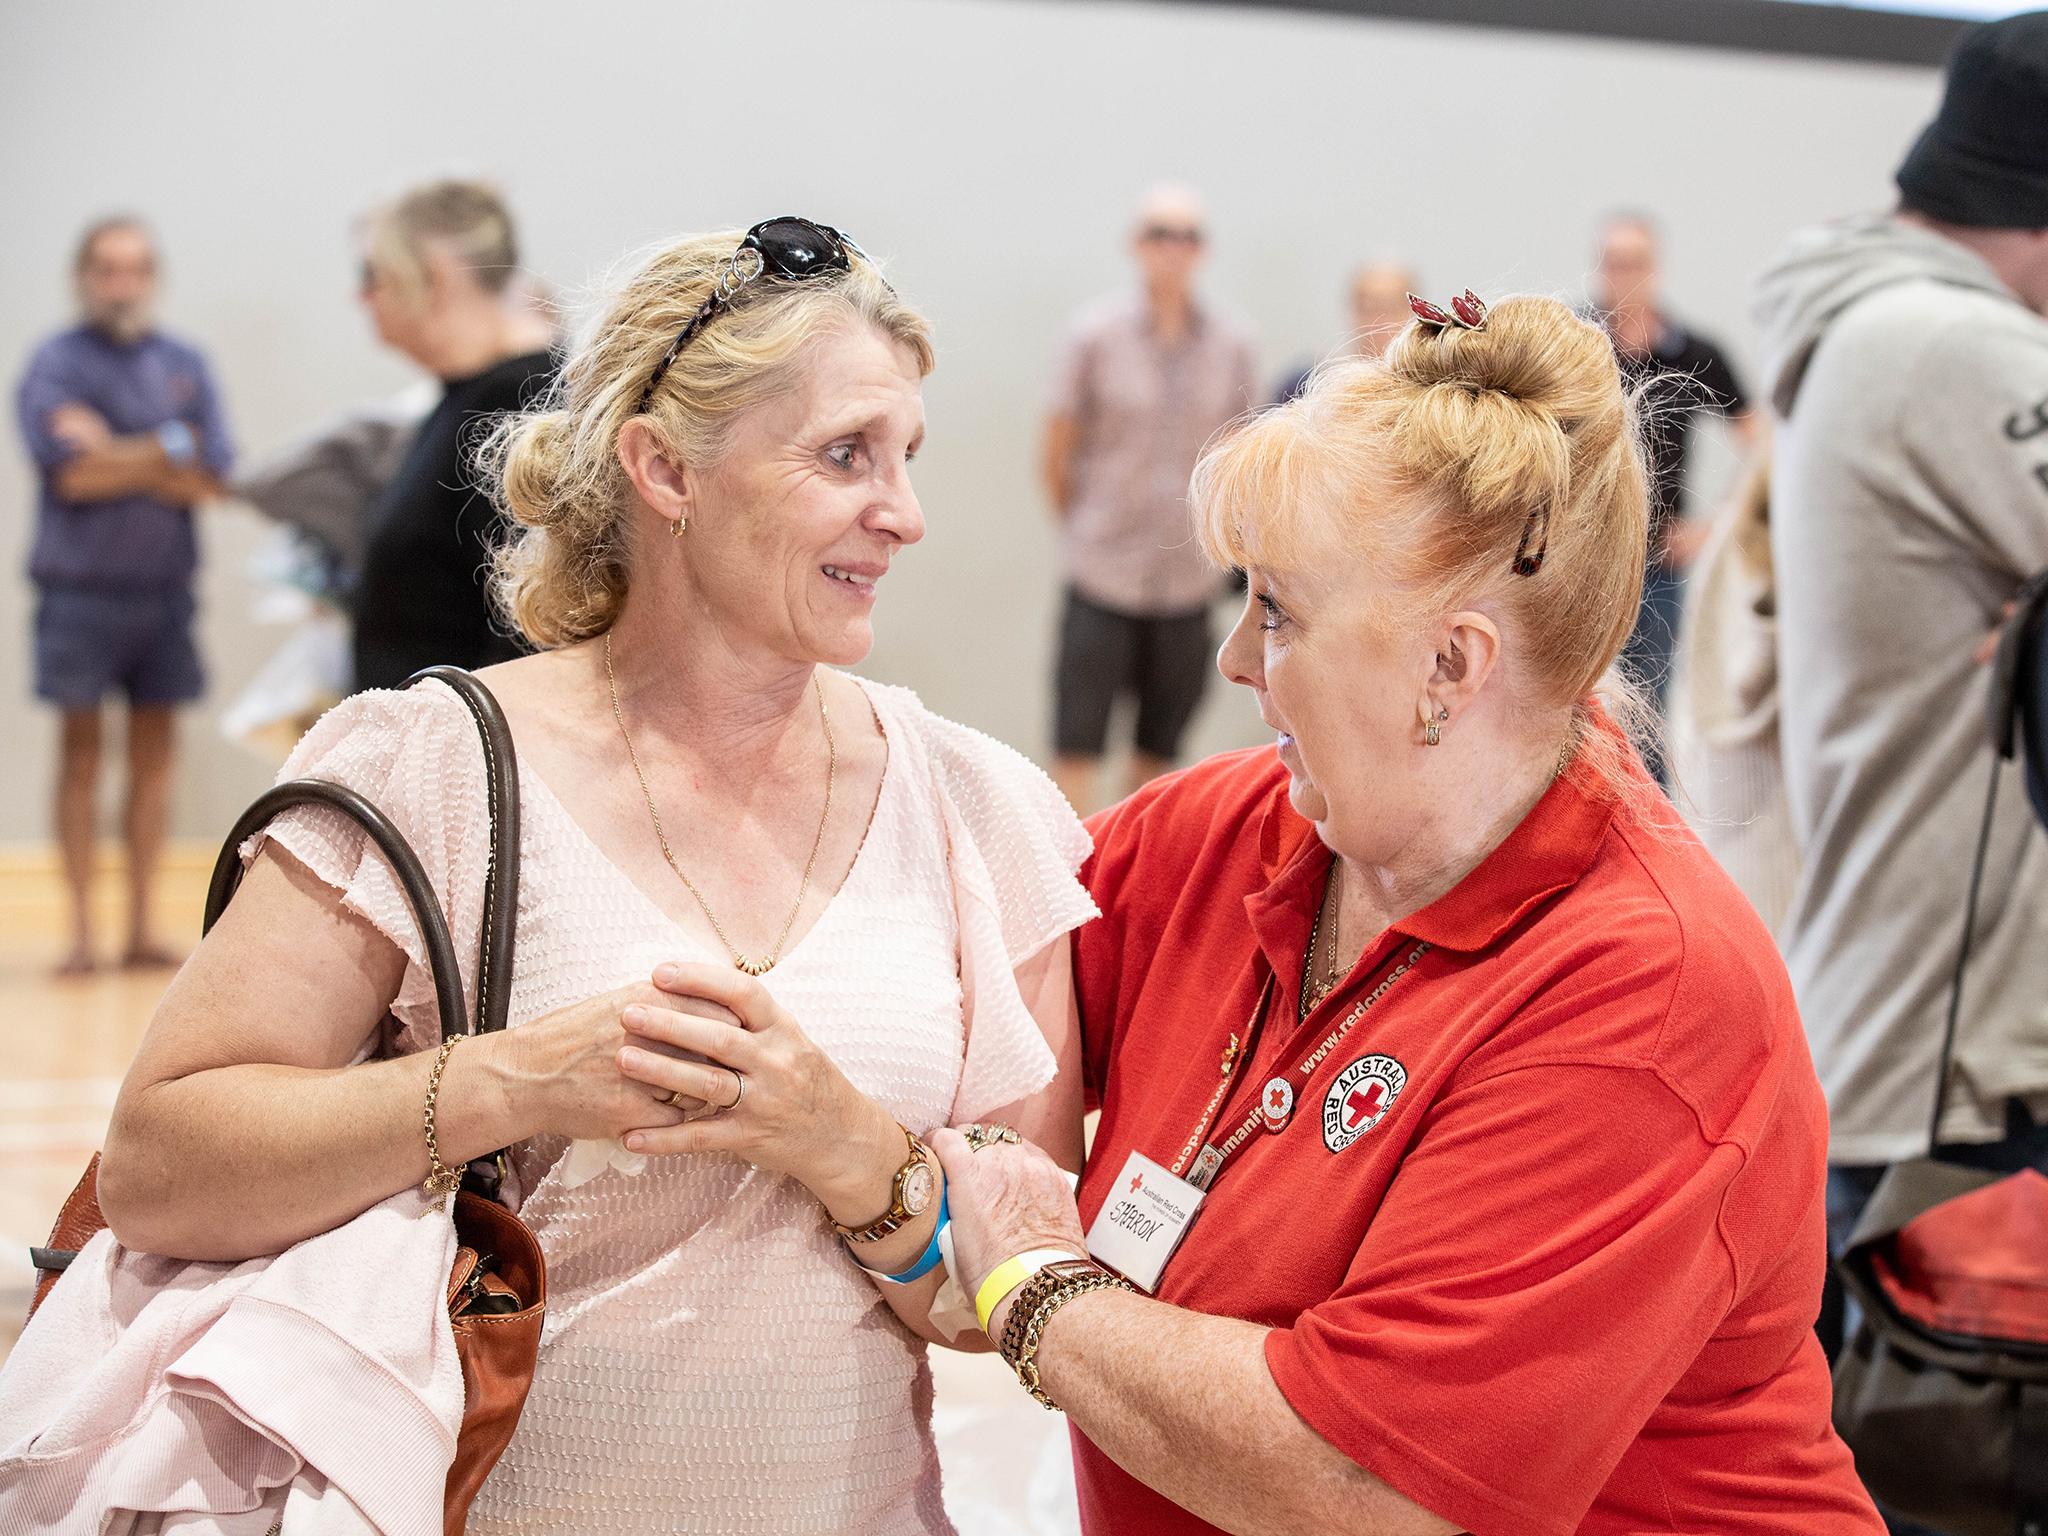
pixel 1170 234
pixel 792 249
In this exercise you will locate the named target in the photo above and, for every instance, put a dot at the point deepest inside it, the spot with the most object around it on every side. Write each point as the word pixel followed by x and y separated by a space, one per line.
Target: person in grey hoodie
pixel 1908 360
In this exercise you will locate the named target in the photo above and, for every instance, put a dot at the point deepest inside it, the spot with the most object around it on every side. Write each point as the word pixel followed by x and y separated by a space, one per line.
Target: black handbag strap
pixel 496 940
pixel 420 895
pixel 2030 1458
pixel 1955 991
pixel 498 930
pixel 2010 667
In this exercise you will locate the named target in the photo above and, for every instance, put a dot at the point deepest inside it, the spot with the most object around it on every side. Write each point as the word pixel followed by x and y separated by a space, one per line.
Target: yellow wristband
pixel 1010 1274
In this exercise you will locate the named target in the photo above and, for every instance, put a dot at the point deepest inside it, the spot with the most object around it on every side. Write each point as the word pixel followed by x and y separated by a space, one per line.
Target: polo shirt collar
pixel 1547 852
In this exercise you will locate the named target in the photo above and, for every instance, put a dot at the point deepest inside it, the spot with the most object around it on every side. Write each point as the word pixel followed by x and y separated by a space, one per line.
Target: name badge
pixel 1143 1220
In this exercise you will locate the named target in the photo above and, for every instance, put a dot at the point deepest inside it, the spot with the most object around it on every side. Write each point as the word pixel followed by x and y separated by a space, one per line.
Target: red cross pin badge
pixel 1277 1103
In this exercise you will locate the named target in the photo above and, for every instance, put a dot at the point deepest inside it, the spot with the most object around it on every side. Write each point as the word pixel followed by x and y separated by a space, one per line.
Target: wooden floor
pixel 66 1043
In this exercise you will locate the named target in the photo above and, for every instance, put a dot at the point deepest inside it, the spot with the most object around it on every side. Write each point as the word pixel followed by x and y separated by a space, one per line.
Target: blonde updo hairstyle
pixel 1432 461
pixel 555 472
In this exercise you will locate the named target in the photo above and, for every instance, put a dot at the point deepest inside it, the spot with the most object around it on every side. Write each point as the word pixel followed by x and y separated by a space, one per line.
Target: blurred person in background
pixel 326 485
pixel 442 284
pixel 1908 358
pixel 1378 309
pixel 1145 380
pixel 1682 375
pixel 127 435
pixel 1723 737
pixel 324 488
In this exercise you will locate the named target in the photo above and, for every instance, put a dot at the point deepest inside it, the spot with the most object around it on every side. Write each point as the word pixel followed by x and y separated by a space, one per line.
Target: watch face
pixel 917 1189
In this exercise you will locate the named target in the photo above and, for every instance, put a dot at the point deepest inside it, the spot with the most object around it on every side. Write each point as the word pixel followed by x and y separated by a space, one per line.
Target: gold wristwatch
pixel 910 1195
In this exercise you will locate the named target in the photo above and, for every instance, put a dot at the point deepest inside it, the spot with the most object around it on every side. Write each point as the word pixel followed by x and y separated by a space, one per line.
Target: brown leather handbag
pixel 497 1289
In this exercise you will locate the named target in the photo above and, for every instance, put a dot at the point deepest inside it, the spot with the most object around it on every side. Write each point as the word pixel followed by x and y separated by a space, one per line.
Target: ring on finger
pixel 981 1137
pixel 739 1091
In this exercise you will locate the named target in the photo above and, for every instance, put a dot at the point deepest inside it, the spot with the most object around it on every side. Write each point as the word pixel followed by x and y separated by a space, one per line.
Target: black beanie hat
pixel 1983 161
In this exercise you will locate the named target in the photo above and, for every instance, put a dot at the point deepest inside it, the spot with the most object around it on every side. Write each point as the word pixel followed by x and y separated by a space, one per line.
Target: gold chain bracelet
pixel 1010 1344
pixel 441 1179
pixel 1026 1363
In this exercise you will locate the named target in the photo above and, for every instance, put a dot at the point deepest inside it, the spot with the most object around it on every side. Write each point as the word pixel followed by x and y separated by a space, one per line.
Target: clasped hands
pixel 699 1031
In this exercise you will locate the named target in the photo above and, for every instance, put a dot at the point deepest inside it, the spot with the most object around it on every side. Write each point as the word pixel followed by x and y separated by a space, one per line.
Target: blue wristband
pixel 180 444
pixel 926 1261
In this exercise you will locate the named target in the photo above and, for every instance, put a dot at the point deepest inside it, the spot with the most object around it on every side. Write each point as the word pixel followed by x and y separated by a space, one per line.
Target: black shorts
pixel 1166 661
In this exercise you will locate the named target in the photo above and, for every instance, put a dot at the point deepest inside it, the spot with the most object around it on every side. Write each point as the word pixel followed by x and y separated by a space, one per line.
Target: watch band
pixel 179 442
pixel 897 1214
pixel 927 1261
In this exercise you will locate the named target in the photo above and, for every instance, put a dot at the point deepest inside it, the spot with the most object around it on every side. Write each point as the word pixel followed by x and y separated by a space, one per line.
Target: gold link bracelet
pixel 1026 1363
pixel 441 1179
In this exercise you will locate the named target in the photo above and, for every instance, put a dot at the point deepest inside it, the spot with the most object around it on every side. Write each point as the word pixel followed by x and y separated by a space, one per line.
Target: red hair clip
pixel 1467 312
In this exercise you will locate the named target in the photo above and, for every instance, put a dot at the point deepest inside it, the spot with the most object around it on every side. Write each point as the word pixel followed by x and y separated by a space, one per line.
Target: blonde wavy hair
pixel 1433 460
pixel 555 473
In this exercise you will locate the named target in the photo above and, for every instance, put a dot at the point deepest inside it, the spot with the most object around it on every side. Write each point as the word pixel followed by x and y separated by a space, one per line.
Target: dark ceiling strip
pixel 1765 26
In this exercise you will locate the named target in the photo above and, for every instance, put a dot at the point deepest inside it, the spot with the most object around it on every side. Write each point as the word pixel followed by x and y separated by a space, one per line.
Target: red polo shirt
pixel 1566 1279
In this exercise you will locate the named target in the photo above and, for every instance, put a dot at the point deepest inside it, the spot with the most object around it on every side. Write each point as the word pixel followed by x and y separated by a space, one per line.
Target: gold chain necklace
pixel 746 963
pixel 1312 991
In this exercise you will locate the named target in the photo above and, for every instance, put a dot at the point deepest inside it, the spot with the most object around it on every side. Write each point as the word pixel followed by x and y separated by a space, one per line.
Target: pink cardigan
pixel 321 1386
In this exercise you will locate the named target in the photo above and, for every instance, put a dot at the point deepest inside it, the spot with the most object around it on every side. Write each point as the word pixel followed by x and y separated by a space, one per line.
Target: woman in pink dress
pixel 706 513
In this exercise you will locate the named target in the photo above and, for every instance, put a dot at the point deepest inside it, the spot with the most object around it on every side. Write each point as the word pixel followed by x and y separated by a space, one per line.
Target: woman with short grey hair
pixel 440 278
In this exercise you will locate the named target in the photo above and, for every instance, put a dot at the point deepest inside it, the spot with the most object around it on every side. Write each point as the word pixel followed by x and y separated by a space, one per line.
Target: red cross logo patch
pixel 1360 1098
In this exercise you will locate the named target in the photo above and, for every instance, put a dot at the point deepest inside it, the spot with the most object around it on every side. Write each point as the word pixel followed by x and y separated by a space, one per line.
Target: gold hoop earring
pixel 675 529
pixel 1432 733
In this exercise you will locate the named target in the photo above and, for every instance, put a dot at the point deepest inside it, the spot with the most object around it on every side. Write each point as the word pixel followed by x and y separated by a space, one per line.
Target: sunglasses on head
pixel 1170 234
pixel 791 249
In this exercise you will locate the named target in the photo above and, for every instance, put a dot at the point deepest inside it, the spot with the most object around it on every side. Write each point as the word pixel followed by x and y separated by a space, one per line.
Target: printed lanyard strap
pixel 1274 1106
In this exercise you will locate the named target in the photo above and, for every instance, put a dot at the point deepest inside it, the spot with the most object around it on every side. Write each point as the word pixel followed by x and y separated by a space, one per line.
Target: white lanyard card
pixel 1143 1221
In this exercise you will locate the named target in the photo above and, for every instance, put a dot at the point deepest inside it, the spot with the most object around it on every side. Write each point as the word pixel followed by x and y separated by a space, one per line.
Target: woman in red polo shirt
pixel 1455 1110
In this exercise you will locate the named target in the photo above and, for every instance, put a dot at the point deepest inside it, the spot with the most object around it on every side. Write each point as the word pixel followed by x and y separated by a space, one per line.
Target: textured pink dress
pixel 713 1361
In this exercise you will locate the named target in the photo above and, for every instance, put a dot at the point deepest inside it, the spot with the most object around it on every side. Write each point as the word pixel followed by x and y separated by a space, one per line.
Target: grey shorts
pixel 1165 660
pixel 90 643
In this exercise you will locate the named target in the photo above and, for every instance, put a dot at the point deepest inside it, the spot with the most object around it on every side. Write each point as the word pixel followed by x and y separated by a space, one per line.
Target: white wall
pixel 990 149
